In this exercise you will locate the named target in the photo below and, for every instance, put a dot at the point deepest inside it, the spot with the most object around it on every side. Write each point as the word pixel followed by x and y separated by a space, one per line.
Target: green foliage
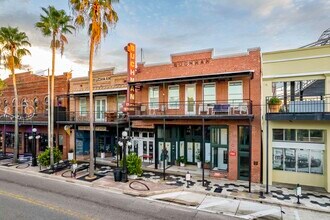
pixel 44 158
pixel 181 160
pixel 274 101
pixel 134 164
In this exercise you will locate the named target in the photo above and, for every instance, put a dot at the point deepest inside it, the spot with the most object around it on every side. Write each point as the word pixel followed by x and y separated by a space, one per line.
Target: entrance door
pixel 27 143
pixel 243 152
pixel 219 143
pixel 100 108
pixel 190 99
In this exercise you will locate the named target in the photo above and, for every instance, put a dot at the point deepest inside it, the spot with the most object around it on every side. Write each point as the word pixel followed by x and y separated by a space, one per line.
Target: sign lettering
pixel 131 61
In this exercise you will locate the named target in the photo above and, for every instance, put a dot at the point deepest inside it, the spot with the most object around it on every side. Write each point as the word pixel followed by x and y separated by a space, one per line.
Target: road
pixel 23 196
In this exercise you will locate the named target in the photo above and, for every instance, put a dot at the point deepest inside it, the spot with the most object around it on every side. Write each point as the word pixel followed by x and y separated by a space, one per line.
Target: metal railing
pixel 176 108
pixel 84 116
pixel 298 104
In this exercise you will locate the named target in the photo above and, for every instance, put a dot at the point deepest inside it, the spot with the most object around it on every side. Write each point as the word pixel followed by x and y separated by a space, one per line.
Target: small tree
pixel 44 158
pixel 134 164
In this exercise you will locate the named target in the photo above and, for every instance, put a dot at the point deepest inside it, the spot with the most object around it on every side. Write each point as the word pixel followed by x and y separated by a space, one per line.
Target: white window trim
pixel 298 145
pixel 241 81
pixel 80 106
pixel 105 109
pixel 215 90
pixel 157 106
pixel 168 97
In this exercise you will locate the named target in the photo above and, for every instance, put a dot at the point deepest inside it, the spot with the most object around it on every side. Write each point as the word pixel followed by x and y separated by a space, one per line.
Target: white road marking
pixel 260 214
pixel 296 215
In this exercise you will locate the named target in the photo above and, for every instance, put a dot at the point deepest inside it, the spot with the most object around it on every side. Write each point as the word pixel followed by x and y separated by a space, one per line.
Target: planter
pixel 182 164
pixel 102 155
pixel 133 177
pixel 70 156
pixel 274 108
pixel 199 164
pixel 207 165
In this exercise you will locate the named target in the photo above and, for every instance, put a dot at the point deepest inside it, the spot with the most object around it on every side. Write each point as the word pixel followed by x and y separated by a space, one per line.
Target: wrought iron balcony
pixel 293 107
pixel 84 116
pixel 192 108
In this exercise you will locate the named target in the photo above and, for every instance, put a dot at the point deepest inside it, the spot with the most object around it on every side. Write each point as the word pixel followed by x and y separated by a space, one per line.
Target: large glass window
pixel 209 93
pixel 298 160
pixel 235 91
pixel 299 135
pixel 120 103
pixel 173 97
pixel 154 97
pixel 83 106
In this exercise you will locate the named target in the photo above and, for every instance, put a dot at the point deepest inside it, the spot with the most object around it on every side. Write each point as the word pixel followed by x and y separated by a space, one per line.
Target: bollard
pixel 188 178
pixel 298 193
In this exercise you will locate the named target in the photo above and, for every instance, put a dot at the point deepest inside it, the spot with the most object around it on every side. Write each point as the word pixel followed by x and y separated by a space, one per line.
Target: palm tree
pixel 99 15
pixel 13 48
pixel 55 24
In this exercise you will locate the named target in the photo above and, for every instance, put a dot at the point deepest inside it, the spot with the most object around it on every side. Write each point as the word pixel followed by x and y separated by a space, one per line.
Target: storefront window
pixel 173 97
pixel 302 135
pixel 278 134
pixel 298 160
pixel 278 159
pixel 290 134
pixel 303 161
pixel 215 136
pixel 316 136
pixel 290 159
pixel 317 162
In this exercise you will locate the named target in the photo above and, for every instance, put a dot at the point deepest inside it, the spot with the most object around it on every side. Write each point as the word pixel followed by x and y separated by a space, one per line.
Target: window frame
pixel 215 93
pixel 82 113
pixel 242 92
pixel 152 104
pixel 173 104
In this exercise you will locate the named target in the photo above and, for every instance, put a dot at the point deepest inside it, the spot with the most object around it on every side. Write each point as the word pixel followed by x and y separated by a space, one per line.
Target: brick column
pixel 232 160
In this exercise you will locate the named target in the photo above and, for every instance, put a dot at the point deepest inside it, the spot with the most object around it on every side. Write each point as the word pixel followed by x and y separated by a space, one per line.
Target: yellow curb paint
pixel 42 204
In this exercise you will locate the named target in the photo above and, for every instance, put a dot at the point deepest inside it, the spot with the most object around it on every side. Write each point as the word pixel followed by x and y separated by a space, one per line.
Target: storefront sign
pixel 191 62
pixel 131 59
pixel 87 128
pixel 232 153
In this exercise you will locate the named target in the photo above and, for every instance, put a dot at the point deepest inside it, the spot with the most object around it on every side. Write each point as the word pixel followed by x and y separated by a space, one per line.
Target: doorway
pixel 219 144
pixel 100 108
pixel 243 152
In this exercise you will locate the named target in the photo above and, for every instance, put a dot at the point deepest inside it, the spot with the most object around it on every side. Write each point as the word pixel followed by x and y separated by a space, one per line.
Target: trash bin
pixel 117 174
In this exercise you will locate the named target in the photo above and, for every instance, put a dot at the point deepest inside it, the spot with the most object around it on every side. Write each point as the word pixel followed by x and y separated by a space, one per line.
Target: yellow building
pixel 296 113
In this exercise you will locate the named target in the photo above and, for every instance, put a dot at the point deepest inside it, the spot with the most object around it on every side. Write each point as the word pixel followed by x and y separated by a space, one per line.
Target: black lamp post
pixel 34 137
pixel 124 142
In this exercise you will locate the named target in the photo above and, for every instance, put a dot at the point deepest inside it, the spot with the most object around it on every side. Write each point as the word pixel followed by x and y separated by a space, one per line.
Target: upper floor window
pixel 299 88
pixel 235 91
pixel 83 106
pixel 120 103
pixel 24 105
pixel 299 135
pixel 209 93
pixel 173 97
pixel 46 103
pixel 154 97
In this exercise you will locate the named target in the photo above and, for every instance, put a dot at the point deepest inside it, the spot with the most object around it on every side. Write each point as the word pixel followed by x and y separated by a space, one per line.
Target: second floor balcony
pixel 192 109
pixel 98 116
pixel 298 108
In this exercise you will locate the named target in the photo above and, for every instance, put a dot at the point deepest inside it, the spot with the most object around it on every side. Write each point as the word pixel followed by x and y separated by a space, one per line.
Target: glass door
pixel 100 108
pixel 219 144
pixel 190 99
pixel 243 152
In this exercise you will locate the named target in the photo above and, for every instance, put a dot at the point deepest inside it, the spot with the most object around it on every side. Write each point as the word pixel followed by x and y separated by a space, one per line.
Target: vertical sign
pixel 131 59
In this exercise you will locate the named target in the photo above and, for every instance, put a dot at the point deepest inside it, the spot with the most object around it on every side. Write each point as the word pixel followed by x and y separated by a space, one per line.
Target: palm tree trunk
pixel 52 102
pixel 16 147
pixel 91 109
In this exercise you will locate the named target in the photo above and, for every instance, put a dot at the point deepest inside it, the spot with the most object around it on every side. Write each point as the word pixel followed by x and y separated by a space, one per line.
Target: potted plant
pixel 102 154
pixel 182 161
pixel 134 165
pixel 70 154
pixel 274 104
pixel 199 163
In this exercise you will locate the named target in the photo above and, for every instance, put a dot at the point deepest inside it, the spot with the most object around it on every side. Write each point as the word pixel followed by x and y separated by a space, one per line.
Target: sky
pixel 163 27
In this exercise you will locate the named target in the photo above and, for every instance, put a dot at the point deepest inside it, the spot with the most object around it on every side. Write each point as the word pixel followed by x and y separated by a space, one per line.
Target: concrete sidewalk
pixel 238 208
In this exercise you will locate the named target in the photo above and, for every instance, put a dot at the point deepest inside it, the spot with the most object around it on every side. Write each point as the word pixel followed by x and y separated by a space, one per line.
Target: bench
pixel 59 166
pixel 220 108
pixel 78 169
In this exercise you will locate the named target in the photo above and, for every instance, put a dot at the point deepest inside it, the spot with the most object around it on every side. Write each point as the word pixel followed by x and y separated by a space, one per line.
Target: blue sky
pixel 162 27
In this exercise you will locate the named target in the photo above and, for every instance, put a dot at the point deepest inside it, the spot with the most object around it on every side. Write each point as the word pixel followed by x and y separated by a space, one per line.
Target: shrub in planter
pixel 134 164
pixel 182 161
pixel 44 157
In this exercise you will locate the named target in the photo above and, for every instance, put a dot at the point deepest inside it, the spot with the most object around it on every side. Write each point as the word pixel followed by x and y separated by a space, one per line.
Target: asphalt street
pixel 23 196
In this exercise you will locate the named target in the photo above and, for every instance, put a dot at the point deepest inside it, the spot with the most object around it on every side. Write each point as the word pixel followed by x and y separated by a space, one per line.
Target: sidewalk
pixel 219 196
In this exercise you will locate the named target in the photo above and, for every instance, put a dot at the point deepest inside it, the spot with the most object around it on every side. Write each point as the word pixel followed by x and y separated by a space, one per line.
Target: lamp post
pixel 34 137
pixel 123 142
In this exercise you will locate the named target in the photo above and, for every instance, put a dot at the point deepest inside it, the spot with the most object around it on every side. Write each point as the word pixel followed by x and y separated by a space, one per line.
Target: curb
pixel 260 201
pixel 147 194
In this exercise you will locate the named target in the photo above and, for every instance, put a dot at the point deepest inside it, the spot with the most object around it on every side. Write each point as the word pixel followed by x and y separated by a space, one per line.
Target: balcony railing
pixel 84 116
pixel 231 107
pixel 298 104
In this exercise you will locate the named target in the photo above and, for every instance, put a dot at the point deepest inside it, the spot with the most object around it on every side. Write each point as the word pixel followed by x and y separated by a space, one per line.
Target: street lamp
pixel 34 137
pixel 123 142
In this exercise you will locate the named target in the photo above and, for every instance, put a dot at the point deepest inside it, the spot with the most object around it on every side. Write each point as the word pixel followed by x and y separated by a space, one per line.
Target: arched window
pixel 35 104
pixel 46 103
pixel 13 103
pixel 24 105
pixel 5 103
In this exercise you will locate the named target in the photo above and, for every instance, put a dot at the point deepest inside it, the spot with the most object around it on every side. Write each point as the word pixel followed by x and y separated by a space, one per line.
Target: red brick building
pixel 33 112
pixel 209 107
